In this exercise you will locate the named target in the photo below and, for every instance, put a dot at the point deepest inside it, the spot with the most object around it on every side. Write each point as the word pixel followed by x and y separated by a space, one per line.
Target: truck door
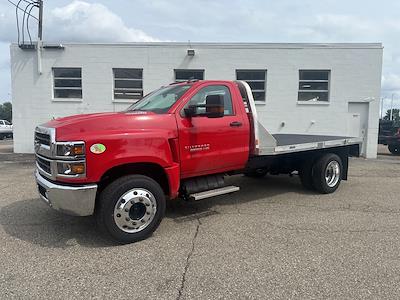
pixel 213 145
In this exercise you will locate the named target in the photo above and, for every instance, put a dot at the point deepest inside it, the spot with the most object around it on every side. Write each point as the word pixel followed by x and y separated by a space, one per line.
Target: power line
pixel 16 15
pixel 27 14
pixel 31 4
pixel 17 7
pixel 27 23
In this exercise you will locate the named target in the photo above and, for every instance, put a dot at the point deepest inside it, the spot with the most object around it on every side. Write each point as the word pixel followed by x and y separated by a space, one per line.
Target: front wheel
pixel 394 149
pixel 327 173
pixel 130 209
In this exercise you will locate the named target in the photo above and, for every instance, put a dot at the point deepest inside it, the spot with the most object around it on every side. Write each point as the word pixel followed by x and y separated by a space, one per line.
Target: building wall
pixel 355 78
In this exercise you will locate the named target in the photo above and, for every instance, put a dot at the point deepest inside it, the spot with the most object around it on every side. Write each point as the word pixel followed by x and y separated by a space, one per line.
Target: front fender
pixel 143 146
pixel 137 148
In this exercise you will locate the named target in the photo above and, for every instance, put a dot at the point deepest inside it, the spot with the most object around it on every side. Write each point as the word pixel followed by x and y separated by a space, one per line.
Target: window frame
pixel 123 100
pixel 265 71
pixel 188 70
pixel 54 88
pixel 328 91
pixel 182 110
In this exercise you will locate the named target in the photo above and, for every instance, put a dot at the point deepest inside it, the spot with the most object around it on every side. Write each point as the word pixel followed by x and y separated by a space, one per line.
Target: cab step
pixel 214 192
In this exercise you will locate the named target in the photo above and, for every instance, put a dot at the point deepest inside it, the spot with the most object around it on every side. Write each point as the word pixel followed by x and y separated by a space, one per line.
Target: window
pixel 314 85
pixel 67 82
pixel 161 100
pixel 200 98
pixel 185 75
pixel 7 123
pixel 128 84
pixel 256 81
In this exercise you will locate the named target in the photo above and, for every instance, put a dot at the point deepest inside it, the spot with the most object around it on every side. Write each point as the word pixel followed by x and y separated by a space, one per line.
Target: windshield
pixel 161 100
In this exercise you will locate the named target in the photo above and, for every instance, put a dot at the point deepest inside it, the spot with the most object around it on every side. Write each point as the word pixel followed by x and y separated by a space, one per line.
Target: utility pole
pixel 40 37
pixel 40 28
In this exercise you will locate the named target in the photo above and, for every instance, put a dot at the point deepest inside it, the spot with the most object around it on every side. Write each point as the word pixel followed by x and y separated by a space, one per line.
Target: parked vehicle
pixel 394 144
pixel 6 129
pixel 179 141
pixel 389 134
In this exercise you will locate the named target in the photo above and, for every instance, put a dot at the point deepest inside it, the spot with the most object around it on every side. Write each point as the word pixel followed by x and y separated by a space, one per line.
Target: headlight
pixel 70 149
pixel 71 169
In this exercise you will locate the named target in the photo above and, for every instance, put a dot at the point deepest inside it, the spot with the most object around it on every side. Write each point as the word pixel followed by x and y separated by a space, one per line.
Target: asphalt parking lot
pixel 270 240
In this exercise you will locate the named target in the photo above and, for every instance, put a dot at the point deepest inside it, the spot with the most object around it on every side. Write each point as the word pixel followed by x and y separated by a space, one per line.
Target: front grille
pixel 42 190
pixel 43 164
pixel 42 138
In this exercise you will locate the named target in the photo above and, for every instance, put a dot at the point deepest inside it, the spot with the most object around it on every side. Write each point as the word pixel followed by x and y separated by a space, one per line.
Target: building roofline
pixel 231 45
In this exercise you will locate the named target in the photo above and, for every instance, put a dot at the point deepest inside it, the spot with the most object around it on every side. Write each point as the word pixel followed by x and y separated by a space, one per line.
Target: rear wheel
pixel 130 209
pixel 327 173
pixel 394 149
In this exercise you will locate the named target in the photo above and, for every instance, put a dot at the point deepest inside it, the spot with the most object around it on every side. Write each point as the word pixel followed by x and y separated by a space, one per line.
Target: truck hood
pixel 78 126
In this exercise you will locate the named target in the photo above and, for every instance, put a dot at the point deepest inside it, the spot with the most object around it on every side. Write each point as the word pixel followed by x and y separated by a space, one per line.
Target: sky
pixel 281 21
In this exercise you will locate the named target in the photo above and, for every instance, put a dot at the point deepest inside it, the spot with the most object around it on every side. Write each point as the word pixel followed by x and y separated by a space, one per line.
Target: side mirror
pixel 214 106
pixel 190 111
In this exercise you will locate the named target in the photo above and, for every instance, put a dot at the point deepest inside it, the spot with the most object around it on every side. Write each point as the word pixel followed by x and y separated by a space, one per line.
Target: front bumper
pixel 71 200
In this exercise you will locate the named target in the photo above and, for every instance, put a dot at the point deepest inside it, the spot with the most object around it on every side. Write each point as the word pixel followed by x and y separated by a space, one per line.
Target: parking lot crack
pixel 187 264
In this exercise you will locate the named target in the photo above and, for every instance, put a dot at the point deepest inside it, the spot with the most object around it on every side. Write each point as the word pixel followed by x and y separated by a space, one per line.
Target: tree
pixel 6 111
pixel 396 115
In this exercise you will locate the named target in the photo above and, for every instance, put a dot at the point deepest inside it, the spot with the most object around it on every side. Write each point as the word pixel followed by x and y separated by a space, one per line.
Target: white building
pixel 330 89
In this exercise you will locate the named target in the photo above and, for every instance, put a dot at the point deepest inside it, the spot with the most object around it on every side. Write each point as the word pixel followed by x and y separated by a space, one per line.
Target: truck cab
pixel 178 141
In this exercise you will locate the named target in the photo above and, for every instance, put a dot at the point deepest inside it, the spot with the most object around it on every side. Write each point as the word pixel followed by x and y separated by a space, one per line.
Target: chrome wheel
pixel 135 210
pixel 332 173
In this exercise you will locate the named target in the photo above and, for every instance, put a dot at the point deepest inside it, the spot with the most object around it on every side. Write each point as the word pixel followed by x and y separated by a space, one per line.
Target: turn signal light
pixel 78 150
pixel 78 168
pixel 71 169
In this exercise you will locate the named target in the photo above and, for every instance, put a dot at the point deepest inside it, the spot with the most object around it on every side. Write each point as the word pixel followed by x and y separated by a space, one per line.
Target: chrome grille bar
pixel 42 138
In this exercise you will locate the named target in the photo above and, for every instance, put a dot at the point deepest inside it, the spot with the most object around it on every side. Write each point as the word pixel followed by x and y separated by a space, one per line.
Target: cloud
pixel 210 20
pixel 7 25
pixel 91 22
pixel 78 21
pixel 391 82
pixel 330 27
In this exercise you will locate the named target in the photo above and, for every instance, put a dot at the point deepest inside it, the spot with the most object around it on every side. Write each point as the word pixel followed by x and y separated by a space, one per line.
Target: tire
pixel 394 149
pixel 306 175
pixel 130 208
pixel 258 173
pixel 327 173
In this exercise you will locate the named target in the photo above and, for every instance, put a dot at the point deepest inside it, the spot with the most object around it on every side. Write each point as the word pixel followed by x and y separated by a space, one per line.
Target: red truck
pixel 179 141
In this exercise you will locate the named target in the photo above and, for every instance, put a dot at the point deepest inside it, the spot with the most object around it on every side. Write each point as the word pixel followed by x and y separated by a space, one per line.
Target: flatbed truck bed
pixel 289 143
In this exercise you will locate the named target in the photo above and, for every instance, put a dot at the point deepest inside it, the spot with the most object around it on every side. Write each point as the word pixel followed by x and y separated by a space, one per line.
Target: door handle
pixel 236 124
